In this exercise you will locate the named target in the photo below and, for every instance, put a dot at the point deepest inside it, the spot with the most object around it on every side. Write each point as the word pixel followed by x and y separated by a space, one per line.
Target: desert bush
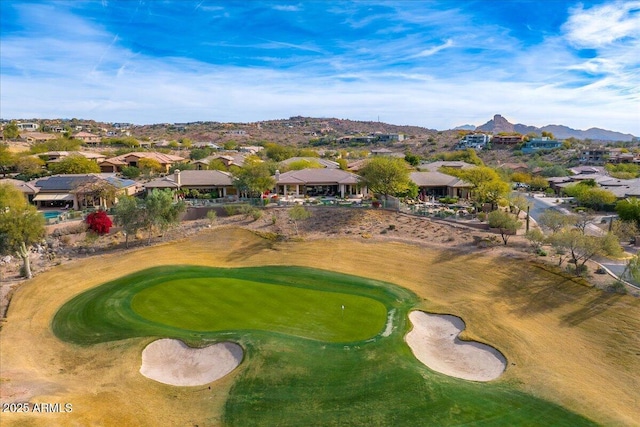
pixel 212 216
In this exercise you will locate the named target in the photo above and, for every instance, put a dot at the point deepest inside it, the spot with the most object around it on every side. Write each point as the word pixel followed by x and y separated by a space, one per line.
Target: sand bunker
pixel 173 362
pixel 434 341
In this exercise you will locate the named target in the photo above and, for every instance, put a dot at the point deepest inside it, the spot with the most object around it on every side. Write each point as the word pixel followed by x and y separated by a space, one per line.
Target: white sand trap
pixel 434 341
pixel 173 362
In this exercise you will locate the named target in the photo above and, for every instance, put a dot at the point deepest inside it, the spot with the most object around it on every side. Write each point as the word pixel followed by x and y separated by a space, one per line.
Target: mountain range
pixel 500 124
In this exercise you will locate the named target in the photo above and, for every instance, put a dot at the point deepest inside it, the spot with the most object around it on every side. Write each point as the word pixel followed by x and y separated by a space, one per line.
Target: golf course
pixel 322 327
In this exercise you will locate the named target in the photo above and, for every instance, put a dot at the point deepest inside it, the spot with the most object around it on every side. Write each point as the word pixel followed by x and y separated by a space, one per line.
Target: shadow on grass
pixel 248 250
pixel 596 306
pixel 534 289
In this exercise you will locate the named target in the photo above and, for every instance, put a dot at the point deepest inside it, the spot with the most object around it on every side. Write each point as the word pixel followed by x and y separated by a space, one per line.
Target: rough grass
pixel 566 343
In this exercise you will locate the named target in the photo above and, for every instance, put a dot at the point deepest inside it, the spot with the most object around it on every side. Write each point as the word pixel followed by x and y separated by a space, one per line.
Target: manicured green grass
pixel 228 304
pixel 306 363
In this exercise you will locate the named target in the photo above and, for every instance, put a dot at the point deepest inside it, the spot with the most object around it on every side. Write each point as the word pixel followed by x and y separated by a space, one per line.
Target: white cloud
pixel 603 25
pixel 434 50
pixel 286 8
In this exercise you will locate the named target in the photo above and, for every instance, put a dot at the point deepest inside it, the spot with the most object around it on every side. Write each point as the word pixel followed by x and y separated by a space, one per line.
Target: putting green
pixel 227 304
pixel 200 302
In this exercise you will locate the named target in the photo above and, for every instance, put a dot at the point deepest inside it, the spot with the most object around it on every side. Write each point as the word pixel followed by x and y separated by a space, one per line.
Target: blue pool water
pixel 51 214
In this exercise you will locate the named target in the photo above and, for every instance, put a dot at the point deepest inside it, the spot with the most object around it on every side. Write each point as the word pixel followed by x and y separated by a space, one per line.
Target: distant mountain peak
pixel 500 124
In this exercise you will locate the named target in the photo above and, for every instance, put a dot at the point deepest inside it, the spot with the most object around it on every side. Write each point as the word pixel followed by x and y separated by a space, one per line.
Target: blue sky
pixel 436 64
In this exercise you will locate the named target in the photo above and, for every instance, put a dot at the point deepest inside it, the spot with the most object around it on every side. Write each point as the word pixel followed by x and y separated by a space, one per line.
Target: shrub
pixel 212 216
pixel 99 222
pixel 256 214
pixel 482 216
pixel 392 226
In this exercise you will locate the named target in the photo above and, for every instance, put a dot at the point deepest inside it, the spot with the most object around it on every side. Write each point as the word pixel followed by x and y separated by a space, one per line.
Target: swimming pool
pixel 51 214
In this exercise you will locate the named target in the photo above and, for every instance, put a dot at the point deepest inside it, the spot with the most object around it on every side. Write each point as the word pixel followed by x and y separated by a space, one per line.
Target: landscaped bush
pixel 448 200
pixel 99 222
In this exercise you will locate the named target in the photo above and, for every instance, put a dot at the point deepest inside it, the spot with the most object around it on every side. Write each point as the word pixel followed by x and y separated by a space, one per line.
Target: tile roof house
pixel 79 191
pixel 319 182
pixel 87 137
pixel 56 156
pixel 33 137
pixel 438 184
pixel 218 183
pixel 228 159
pixel 115 164
pixel 434 166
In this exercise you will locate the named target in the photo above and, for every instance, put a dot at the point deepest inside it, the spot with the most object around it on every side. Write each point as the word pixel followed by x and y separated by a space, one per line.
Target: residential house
pixel 80 191
pixel 214 182
pixel 594 156
pixel 227 159
pixel 56 156
pixel 438 184
pixel 319 182
pixel 536 144
pixel 251 149
pixel 477 141
pixel 115 164
pixel 506 139
pixel 88 138
pixel 28 127
pixel 35 137
pixel 454 164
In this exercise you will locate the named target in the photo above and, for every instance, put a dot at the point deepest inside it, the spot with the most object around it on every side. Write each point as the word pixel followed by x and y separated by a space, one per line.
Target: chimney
pixel 176 177
pixel 277 175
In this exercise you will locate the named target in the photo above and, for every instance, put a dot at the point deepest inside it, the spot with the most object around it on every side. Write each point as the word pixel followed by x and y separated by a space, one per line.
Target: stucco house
pixel 115 164
pixel 319 182
pixel 80 191
pixel 215 182
pixel 438 184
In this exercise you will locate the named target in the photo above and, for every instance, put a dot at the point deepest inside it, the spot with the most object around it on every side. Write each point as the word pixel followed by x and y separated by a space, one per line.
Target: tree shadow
pixel 596 306
pixel 534 292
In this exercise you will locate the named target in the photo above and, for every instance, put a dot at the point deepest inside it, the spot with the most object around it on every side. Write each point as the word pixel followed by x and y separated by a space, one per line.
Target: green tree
pixel 412 159
pixel 182 166
pixel 200 153
pixel 488 186
pixel 150 166
pixel 580 247
pixel 74 164
pixel 58 144
pixel 230 145
pixel 130 172
pixel 29 166
pixel 278 152
pixel 216 165
pixel 128 215
pixel 387 176
pixel 536 238
pixel 254 178
pixel 7 159
pixel 298 213
pixel 303 164
pixel 11 131
pixel 343 164
pixel 554 220
pixel 21 225
pixel 505 222
pixel 160 212
pixel 538 183
pixel 629 210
